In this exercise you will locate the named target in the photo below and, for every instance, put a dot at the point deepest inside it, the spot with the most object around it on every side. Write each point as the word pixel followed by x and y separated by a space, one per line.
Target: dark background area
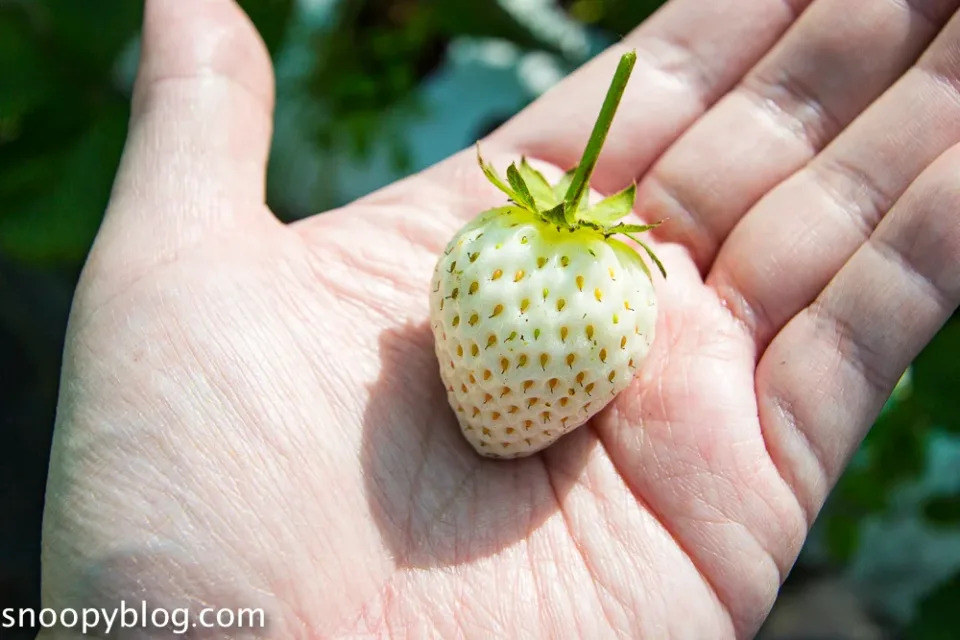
pixel 368 91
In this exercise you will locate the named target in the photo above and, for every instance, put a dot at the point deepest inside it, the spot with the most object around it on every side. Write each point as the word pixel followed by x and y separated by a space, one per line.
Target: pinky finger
pixel 824 378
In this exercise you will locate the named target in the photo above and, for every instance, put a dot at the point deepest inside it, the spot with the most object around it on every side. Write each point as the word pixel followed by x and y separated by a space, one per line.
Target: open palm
pixel 251 413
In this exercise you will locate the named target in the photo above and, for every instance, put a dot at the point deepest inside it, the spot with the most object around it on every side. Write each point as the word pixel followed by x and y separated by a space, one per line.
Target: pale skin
pixel 251 412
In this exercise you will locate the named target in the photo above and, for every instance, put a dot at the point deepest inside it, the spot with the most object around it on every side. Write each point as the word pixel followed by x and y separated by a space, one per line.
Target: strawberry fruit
pixel 540 315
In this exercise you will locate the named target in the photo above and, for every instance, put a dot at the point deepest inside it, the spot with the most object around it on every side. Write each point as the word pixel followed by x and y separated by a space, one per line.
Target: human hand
pixel 251 413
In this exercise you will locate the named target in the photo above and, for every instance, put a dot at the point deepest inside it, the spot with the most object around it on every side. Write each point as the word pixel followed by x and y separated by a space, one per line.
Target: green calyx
pixel 566 203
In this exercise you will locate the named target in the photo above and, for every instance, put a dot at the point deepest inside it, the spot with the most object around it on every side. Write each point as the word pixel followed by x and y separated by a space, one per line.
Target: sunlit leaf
pixel 491 173
pixel 520 188
pixel 612 208
pixel 646 248
pixel 560 189
pixel 556 215
pixel 632 228
pixel 540 189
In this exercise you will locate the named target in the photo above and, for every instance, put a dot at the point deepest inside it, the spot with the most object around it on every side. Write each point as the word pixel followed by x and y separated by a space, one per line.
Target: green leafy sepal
pixel 566 204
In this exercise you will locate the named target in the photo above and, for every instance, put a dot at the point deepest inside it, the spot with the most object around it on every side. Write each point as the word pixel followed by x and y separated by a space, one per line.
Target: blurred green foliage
pixel 62 126
pixel 937 616
pixel 895 449
pixel 616 16
pixel 64 103
pixel 64 107
pixel 404 40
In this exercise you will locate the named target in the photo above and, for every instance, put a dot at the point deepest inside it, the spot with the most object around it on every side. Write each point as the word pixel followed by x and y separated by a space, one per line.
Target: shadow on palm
pixel 436 502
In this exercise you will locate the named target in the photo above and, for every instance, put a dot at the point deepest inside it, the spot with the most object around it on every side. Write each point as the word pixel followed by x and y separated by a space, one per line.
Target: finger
pixel 825 377
pixel 200 126
pixel 832 63
pixel 786 249
pixel 689 54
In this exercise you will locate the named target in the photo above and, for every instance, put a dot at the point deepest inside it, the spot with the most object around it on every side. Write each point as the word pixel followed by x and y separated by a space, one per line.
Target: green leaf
pixel 646 269
pixel 631 228
pixel 495 178
pixel 626 254
pixel 560 189
pixel 649 252
pixel 654 257
pixel 555 215
pixel 611 209
pixel 539 187
pixel 524 197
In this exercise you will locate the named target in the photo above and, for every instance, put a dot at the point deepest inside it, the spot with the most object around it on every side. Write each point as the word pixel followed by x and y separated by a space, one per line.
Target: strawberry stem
pixel 581 179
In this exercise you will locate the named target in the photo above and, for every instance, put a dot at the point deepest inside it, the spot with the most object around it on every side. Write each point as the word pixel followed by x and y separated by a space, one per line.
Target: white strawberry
pixel 541 317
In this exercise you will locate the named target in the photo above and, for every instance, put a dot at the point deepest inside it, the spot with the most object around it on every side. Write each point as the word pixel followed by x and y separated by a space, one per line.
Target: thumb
pixel 196 153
